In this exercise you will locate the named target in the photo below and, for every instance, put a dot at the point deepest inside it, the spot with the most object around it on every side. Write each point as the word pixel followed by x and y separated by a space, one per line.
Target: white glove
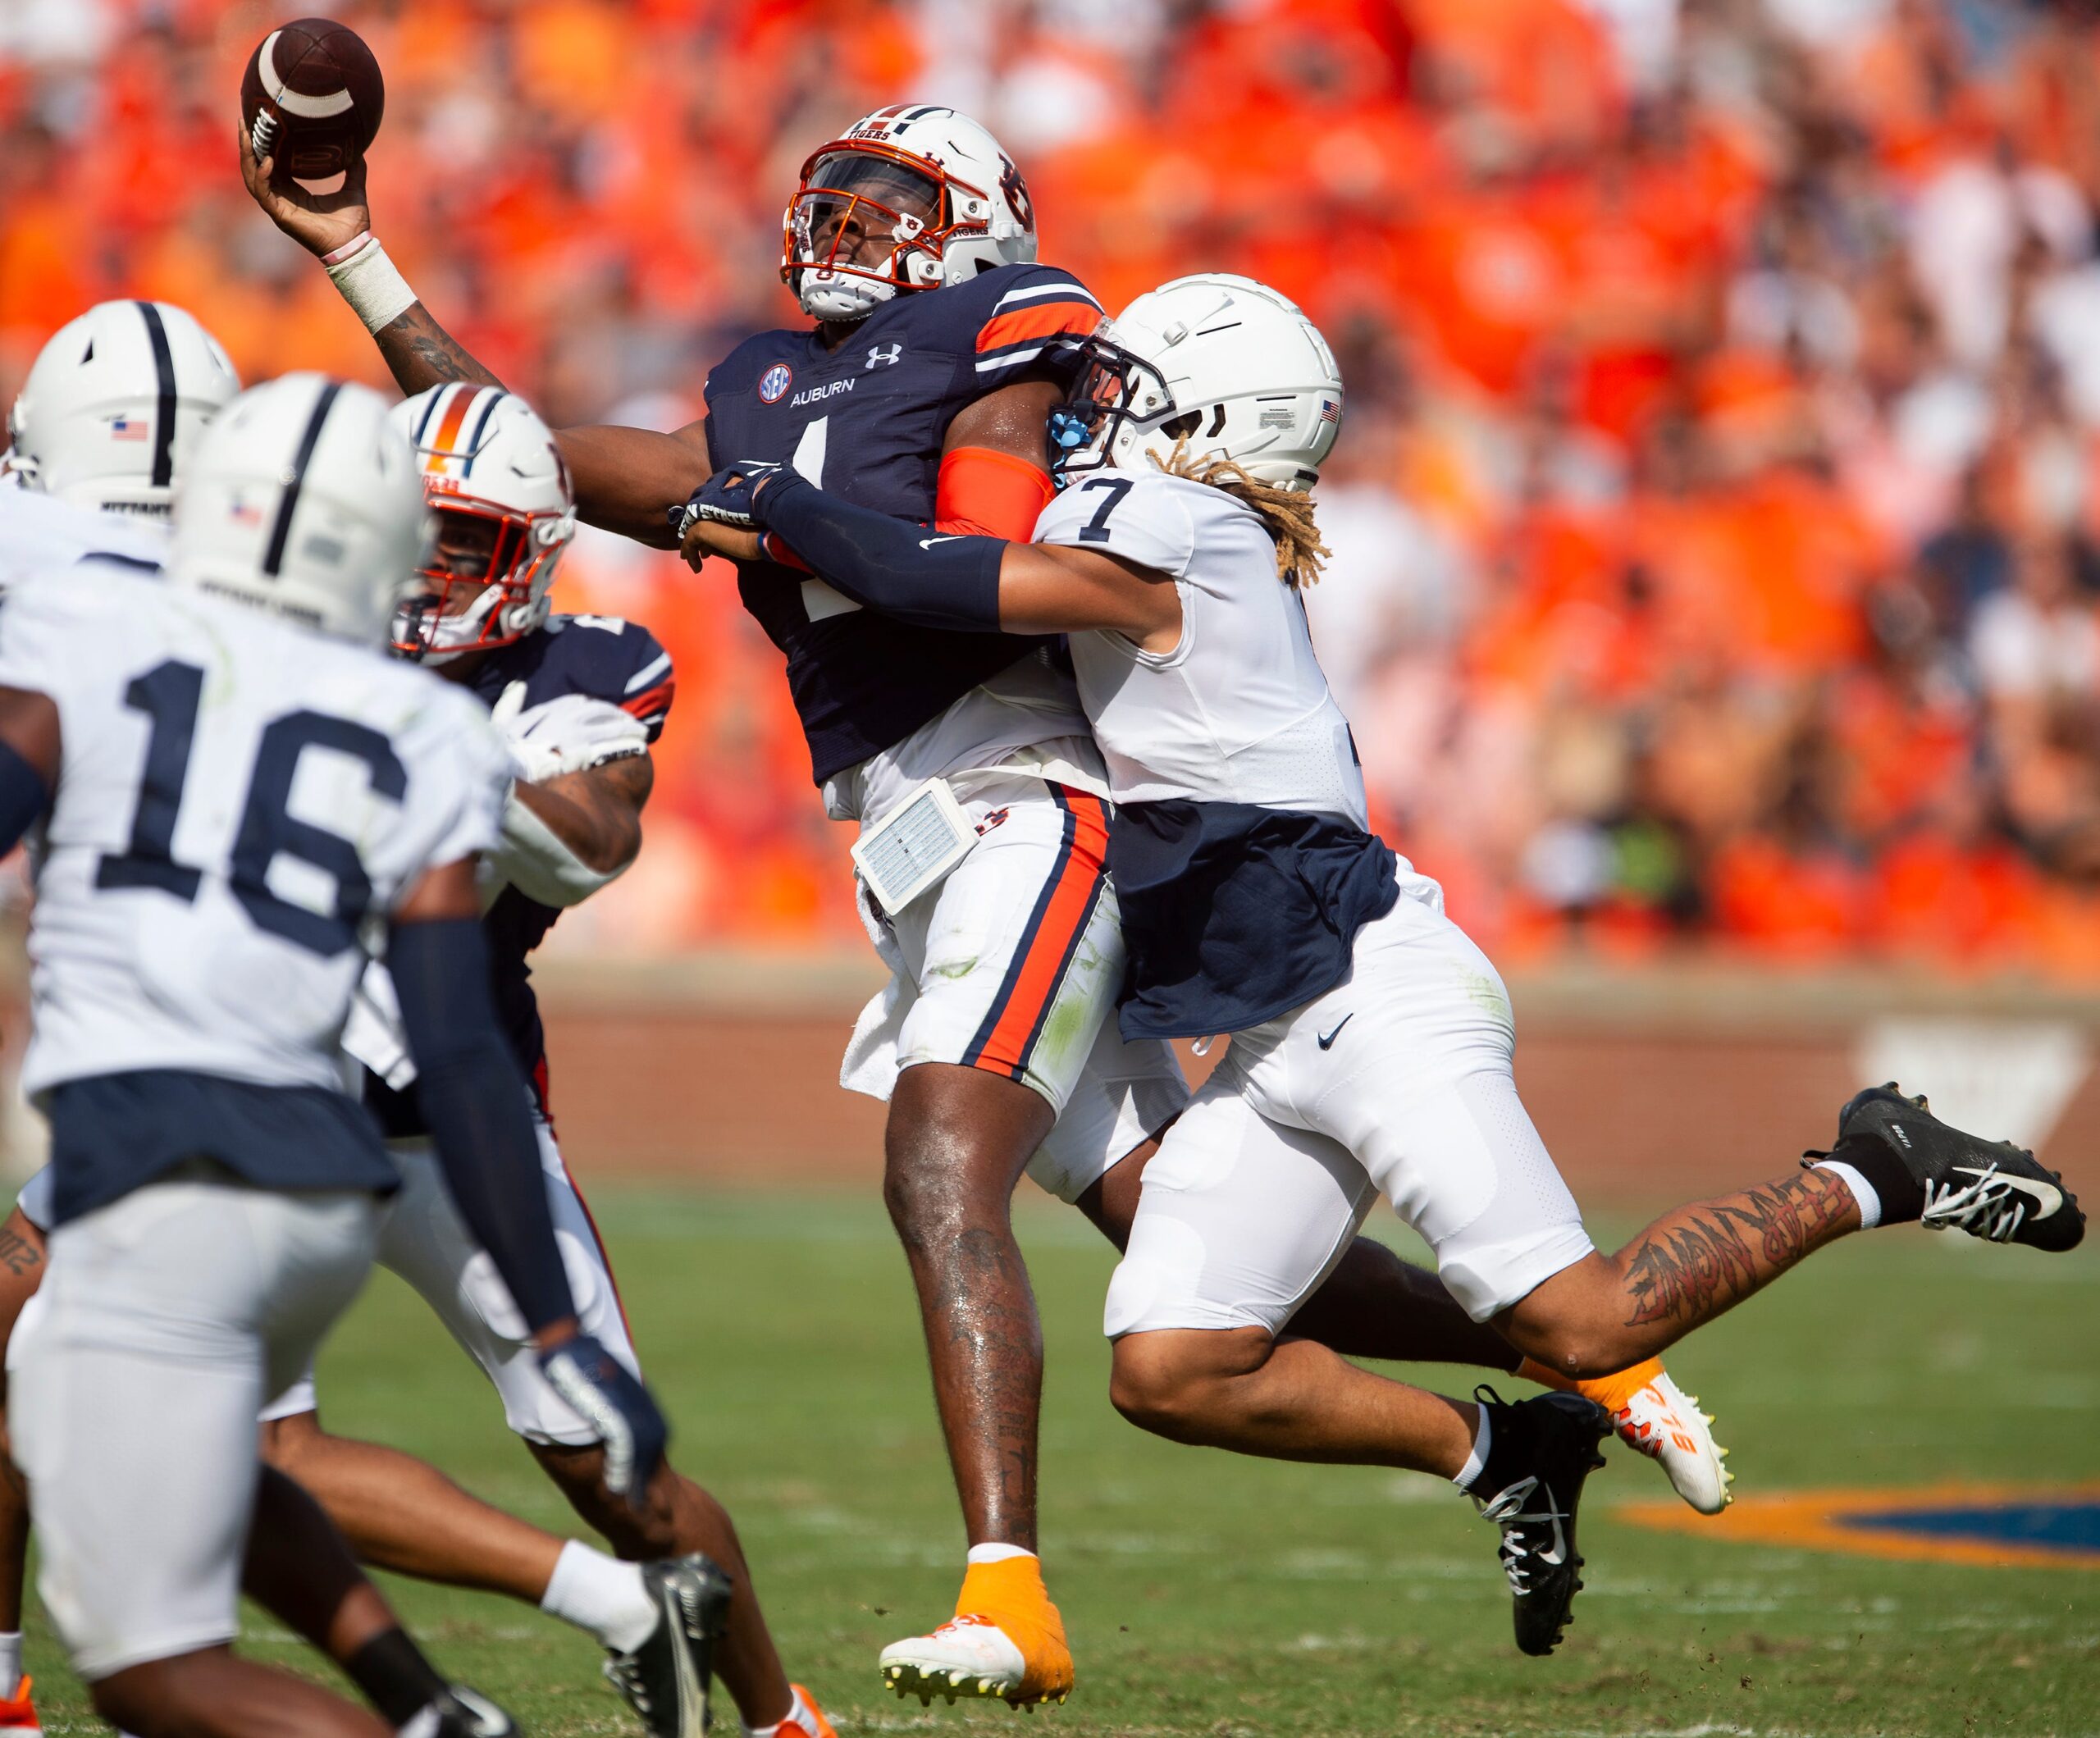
pixel 570 733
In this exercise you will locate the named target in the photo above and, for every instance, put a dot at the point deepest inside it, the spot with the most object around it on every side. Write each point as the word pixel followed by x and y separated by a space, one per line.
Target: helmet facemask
pixel 1114 390
pixel 485 578
pixel 867 222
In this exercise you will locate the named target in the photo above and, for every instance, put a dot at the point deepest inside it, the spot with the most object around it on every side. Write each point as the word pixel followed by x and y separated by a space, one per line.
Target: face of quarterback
pixel 463 554
pixel 860 207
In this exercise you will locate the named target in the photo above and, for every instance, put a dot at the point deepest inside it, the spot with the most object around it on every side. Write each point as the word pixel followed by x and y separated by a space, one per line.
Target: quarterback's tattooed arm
pixel 421 354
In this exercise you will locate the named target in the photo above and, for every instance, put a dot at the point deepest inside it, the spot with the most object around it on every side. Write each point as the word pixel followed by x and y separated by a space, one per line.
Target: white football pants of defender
pixel 1397 1079
pixel 1013 964
pixel 425 1241
pixel 167 1317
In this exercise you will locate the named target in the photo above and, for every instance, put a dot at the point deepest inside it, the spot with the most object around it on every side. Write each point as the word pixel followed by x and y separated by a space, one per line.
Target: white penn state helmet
pixel 1229 362
pixel 933 181
pixel 483 453
pixel 115 403
pixel 303 499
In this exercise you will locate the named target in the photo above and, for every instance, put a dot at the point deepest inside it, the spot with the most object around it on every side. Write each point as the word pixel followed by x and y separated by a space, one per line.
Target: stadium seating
pixel 1715 524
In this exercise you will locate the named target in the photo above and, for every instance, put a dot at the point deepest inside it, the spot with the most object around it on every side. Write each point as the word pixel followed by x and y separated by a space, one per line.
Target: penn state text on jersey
pixel 604 658
pixel 866 422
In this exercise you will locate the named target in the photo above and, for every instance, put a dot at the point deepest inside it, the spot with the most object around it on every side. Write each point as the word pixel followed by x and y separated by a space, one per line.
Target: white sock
pixel 799 1710
pixel 600 1594
pixel 1864 1193
pixel 1476 1461
pixel 996 1553
pixel 11 1661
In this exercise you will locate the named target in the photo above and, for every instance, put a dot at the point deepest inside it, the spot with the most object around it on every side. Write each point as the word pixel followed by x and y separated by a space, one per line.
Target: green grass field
pixel 1211 1595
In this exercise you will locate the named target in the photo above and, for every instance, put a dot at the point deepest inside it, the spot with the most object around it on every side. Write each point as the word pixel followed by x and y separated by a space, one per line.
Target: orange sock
pixel 1012 1587
pixel 1610 1392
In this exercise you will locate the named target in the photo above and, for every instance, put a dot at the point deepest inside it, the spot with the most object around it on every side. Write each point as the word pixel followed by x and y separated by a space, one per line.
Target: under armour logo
pixel 877 356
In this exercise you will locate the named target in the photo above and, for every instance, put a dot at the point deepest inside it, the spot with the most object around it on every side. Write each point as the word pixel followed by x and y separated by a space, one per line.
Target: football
pixel 311 97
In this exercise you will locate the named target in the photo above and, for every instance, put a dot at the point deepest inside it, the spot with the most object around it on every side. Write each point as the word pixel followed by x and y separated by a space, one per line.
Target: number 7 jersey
pixel 240 803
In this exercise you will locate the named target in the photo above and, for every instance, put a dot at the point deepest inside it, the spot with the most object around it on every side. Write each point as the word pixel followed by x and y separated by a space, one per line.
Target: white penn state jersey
pixel 240 803
pixel 1239 712
pixel 39 534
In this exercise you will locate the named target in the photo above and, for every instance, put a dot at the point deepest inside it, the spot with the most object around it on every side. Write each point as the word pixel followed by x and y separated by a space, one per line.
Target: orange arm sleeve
pixel 985 493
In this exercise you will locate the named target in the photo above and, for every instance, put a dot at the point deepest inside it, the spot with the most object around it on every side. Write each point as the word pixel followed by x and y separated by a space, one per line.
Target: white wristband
pixel 377 293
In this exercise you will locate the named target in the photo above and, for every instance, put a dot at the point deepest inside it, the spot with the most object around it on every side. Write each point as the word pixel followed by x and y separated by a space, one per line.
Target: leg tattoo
pixel 1698 1263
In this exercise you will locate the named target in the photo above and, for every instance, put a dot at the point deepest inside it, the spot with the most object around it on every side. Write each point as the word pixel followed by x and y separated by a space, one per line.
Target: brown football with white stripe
pixel 311 98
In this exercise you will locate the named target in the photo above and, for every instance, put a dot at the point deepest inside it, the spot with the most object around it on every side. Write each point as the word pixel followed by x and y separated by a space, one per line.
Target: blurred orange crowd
pixel 1715 520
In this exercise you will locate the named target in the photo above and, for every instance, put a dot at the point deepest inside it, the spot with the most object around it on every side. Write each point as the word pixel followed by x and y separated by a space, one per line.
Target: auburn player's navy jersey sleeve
pixel 599 656
pixel 1020 319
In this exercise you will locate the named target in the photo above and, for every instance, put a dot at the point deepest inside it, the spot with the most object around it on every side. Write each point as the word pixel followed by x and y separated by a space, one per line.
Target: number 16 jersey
pixel 240 803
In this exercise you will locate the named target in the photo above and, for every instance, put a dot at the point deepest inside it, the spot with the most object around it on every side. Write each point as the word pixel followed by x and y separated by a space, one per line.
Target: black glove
pixel 726 496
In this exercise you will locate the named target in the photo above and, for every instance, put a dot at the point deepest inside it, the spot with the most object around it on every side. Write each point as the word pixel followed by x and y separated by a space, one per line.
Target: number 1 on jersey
pixel 168 694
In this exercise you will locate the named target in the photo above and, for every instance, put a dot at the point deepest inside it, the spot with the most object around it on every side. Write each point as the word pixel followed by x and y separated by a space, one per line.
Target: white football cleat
pixel 971 1657
pixel 1664 1422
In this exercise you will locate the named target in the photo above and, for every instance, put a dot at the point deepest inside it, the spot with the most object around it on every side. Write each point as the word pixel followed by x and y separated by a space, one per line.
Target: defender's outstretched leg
pixel 1894 1163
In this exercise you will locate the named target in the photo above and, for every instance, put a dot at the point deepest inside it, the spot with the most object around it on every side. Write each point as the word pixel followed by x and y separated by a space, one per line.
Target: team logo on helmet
pixel 1016 192
pixel 772 384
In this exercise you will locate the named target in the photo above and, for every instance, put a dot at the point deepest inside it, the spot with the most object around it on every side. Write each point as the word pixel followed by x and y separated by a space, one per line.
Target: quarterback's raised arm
pixel 920 574
pixel 624 477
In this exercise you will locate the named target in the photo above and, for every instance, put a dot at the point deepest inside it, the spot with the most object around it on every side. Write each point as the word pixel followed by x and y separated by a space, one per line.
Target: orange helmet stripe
pixel 448 426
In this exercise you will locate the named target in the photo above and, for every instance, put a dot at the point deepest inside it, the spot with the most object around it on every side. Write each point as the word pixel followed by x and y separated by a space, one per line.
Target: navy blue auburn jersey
pixel 866 422
pixel 608 659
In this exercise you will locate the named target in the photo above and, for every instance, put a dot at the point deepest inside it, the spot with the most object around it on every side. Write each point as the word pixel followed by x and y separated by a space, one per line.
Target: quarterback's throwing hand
pixel 319 222
pixel 608 1399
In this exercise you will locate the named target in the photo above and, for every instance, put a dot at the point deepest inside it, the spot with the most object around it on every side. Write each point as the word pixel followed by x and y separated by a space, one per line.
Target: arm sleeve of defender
pixel 932 579
pixel 473 1097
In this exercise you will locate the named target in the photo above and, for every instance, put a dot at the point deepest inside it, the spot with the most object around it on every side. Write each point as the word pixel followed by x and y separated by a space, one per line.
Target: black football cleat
pixel 667 1679
pixel 461 1713
pixel 1991 1189
pixel 1540 1452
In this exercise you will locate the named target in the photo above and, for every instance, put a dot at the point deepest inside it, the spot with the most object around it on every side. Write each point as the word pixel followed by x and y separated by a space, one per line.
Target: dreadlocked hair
pixel 1287 514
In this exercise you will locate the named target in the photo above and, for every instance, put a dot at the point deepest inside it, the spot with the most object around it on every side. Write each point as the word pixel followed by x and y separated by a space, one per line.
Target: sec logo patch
pixel 772 384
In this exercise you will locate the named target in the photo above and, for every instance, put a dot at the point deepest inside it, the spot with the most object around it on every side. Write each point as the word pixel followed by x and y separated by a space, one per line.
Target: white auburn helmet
pixel 304 500
pixel 931 181
pixel 1227 361
pixel 114 404
pixel 483 454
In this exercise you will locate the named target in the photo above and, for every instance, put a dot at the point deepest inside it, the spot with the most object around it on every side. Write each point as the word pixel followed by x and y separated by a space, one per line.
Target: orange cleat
pixel 18 1715
pixel 1006 1641
pixel 815 1726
